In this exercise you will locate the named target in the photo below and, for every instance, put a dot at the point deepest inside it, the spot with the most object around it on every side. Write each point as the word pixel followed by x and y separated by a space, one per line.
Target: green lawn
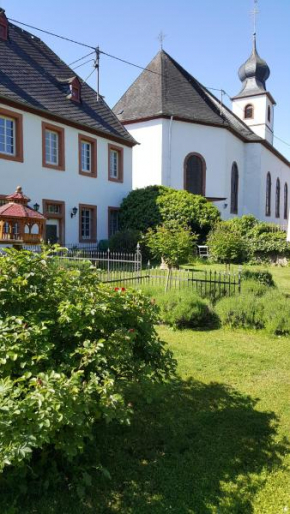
pixel 214 441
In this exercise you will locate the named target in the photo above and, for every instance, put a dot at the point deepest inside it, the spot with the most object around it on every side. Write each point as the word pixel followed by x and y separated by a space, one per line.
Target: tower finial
pixel 161 37
pixel 254 14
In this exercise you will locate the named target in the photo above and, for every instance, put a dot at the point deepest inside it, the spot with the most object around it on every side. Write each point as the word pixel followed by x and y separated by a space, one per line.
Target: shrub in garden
pixel 156 205
pixel 172 243
pixel 69 347
pixel 185 309
pixel 227 244
pixel 125 241
pixel 277 313
pixel 242 311
pixel 264 277
pixel 254 287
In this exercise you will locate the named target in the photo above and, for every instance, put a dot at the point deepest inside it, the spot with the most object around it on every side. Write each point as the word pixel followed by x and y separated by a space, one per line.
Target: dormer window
pixel 75 89
pixel 249 112
pixel 3 26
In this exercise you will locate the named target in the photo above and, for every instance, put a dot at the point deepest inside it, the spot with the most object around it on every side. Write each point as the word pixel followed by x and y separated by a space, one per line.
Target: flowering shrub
pixel 69 347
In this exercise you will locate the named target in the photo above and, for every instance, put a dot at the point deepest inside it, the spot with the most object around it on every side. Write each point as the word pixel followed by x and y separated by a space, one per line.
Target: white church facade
pixel 189 140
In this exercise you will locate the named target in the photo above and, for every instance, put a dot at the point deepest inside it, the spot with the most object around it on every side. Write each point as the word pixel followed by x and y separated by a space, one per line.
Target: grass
pixel 213 441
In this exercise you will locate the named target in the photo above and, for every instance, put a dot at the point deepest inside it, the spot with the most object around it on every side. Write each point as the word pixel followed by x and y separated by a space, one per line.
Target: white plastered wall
pixel 147 156
pixel 259 123
pixel 69 186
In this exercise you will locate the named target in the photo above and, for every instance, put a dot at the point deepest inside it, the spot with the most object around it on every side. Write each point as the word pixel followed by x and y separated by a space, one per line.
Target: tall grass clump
pixel 277 313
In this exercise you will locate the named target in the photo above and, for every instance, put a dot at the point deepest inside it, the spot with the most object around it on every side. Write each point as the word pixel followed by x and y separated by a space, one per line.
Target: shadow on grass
pixel 194 449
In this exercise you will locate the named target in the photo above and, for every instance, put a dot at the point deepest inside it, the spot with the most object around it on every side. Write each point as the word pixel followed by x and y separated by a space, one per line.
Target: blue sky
pixel 209 38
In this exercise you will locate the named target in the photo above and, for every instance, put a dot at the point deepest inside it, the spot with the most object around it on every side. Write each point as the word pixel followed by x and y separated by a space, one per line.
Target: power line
pixel 82 64
pixel 81 58
pixel 222 91
pixel 52 34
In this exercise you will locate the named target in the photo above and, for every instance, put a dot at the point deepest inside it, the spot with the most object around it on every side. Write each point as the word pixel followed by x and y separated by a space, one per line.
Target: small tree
pixel 171 243
pixel 227 244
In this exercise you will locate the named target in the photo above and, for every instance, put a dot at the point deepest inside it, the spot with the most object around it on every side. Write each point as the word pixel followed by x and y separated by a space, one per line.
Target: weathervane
pixel 161 38
pixel 255 13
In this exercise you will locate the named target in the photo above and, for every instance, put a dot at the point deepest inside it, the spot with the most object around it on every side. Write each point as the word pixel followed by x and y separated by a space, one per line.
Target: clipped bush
pixel 264 277
pixel 254 288
pixel 172 243
pixel 185 309
pixel 242 311
pixel 156 205
pixel 69 347
pixel 277 314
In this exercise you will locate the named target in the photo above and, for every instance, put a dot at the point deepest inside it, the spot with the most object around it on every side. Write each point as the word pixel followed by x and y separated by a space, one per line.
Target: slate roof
pixel 32 74
pixel 169 90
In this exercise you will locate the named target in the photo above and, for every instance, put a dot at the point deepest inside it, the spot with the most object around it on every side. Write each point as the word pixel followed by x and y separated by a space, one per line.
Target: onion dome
pixel 254 73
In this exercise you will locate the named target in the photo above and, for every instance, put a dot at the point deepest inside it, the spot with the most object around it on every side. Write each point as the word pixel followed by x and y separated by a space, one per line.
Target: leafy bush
pixel 139 210
pixel 185 208
pixel 185 309
pixel 155 205
pixel 69 346
pixel 261 276
pixel 226 244
pixel 172 243
pixel 125 241
pixel 266 245
pixel 244 311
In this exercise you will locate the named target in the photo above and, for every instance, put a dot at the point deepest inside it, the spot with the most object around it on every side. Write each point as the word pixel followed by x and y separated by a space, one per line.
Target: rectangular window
pixel 7 136
pixel 113 221
pixel 11 138
pixel 51 147
pixel 115 158
pixel 88 223
pixel 54 208
pixel 87 156
pixel 53 155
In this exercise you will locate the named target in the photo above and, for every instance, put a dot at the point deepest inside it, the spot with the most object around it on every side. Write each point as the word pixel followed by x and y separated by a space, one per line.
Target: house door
pixel 52 232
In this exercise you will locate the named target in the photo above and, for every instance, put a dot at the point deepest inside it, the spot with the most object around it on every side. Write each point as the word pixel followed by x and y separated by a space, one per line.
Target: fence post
pixel 240 279
pixel 108 265
pixel 138 261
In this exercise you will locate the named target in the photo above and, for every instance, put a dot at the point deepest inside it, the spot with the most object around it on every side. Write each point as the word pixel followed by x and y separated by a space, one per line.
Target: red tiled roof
pixel 16 210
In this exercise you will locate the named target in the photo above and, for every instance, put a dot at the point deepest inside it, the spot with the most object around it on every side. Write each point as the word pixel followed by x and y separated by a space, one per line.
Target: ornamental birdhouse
pixel 19 223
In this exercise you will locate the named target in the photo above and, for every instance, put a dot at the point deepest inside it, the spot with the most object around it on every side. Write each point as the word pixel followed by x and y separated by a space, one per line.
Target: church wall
pixel 253 196
pixel 147 156
pixel 278 169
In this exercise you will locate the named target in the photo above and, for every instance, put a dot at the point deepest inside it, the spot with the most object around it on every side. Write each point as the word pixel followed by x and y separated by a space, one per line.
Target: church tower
pixel 254 104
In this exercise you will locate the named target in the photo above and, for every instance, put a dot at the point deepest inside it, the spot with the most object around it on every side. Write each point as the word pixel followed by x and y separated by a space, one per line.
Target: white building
pixel 189 140
pixel 59 141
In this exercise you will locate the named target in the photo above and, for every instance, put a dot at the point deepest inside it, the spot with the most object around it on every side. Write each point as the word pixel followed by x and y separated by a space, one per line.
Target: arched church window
pixel 249 111
pixel 268 194
pixel 269 113
pixel 234 188
pixel 285 201
pixel 194 174
pixel 277 199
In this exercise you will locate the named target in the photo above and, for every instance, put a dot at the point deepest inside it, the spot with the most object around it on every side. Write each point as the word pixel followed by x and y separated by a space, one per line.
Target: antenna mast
pixel 97 67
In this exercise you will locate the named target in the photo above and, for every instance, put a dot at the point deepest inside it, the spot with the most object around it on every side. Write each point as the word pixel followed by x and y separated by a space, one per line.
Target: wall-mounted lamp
pixel 225 205
pixel 73 212
pixel 36 207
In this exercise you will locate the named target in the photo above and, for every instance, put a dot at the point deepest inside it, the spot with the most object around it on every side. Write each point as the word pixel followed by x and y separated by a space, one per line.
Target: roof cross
pixel 254 14
pixel 161 37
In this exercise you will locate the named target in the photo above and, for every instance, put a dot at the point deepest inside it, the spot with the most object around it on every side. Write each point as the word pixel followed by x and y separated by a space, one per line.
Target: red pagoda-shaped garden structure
pixel 19 223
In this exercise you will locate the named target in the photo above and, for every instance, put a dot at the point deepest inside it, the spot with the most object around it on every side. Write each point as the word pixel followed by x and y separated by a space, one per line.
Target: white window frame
pixel 5 150
pixel 86 156
pixel 50 149
pixel 114 164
